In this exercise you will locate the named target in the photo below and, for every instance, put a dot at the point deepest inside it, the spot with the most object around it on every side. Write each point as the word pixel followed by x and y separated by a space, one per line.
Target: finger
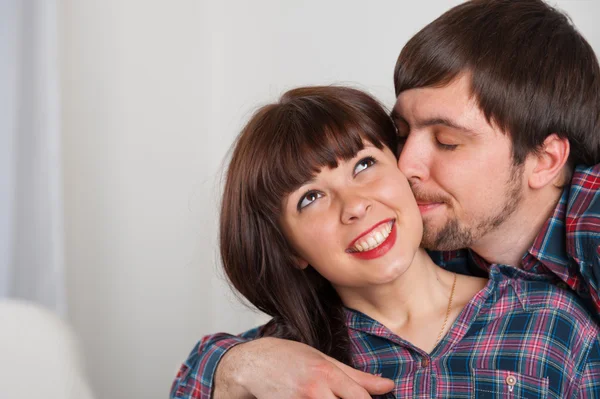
pixel 373 384
pixel 327 395
pixel 343 386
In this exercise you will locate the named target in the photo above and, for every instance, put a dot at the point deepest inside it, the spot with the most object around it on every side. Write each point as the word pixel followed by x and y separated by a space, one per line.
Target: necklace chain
pixel 447 311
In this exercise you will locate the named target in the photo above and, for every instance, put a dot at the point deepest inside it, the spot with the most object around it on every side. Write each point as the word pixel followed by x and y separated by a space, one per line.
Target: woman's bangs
pixel 305 152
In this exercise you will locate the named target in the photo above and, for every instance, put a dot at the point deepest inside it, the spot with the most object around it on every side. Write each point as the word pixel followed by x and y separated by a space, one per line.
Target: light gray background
pixel 154 93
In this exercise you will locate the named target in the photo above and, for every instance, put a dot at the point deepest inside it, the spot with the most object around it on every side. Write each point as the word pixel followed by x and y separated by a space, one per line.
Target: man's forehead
pixel 424 112
pixel 448 100
pixel 461 114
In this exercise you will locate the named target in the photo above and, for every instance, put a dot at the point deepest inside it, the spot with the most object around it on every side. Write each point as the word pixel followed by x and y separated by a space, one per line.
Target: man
pixel 498 109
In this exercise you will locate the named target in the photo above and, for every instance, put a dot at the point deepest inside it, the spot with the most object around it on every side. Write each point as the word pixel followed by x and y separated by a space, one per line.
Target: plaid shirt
pixel 567 248
pixel 528 340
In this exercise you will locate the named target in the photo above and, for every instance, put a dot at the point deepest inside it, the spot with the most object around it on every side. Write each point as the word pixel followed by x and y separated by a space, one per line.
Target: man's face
pixel 460 167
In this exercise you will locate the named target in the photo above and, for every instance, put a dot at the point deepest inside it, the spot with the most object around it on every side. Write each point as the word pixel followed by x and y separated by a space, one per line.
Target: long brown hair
pixel 531 72
pixel 283 145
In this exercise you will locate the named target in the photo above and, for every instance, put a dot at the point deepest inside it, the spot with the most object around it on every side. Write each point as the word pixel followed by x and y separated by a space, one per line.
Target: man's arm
pixel 268 368
pixel 582 223
pixel 589 387
pixel 195 377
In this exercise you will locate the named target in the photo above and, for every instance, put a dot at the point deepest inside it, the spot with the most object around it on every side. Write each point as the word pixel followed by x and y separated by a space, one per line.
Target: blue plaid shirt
pixel 519 337
pixel 567 248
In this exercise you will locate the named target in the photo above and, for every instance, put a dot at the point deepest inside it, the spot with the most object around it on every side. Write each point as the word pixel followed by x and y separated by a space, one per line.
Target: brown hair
pixel 531 72
pixel 283 145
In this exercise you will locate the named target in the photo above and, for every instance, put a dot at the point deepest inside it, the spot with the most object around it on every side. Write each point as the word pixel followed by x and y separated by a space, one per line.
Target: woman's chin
pixel 389 273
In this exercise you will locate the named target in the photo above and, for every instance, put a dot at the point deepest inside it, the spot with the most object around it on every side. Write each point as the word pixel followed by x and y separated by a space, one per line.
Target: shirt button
pixel 424 362
pixel 511 380
pixel 562 285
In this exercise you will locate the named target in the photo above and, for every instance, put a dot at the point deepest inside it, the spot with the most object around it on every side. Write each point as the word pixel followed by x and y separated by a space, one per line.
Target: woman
pixel 319 229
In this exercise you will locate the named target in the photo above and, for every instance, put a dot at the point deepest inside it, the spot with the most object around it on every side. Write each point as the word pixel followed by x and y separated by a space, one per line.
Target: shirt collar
pixel 501 278
pixel 520 280
pixel 567 235
pixel 550 247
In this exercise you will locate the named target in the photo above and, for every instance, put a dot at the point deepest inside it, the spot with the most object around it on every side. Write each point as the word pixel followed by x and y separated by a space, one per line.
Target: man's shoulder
pixel 582 219
pixel 559 303
pixel 584 192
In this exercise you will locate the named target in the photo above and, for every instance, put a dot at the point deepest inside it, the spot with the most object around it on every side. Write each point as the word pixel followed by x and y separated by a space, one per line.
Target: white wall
pixel 154 93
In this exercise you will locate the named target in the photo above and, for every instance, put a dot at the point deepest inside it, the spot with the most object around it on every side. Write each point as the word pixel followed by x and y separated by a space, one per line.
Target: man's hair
pixel 532 74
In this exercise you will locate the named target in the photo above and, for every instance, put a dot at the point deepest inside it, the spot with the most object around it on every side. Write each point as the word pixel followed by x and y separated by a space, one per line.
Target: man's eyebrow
pixel 396 117
pixel 444 122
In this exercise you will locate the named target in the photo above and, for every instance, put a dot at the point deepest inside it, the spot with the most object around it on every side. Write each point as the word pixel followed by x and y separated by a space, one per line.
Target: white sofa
pixel 39 355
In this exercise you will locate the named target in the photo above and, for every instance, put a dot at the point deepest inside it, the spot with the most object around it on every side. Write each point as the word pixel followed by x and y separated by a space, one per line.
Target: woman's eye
pixel 308 199
pixel 364 164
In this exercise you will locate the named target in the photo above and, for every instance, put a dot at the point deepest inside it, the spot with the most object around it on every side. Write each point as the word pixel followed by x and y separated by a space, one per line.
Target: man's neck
pixel 508 243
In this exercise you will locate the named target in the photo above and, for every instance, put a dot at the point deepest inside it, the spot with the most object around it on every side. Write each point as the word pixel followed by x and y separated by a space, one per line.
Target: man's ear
pixel 549 162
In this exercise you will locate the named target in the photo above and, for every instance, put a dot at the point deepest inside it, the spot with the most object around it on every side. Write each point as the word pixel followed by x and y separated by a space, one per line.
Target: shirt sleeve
pixel 195 378
pixel 590 271
pixel 582 224
pixel 587 289
pixel 589 386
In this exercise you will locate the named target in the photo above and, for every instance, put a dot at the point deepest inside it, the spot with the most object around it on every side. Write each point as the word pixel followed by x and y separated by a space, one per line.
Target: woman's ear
pixel 549 162
pixel 299 262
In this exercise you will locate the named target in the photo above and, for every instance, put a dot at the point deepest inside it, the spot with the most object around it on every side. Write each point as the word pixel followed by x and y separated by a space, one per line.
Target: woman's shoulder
pixel 468 287
pixel 473 282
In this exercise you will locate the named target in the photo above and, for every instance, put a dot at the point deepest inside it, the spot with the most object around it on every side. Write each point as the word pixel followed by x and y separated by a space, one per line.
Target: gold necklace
pixel 447 311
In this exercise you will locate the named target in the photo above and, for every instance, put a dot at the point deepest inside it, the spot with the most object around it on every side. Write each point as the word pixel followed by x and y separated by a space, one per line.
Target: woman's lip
pixel 380 250
pixel 368 231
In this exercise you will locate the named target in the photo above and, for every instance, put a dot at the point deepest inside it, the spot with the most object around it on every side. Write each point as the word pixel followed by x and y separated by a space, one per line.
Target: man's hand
pixel 272 368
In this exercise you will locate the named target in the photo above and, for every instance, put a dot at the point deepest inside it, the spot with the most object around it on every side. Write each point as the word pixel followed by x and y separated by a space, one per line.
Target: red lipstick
pixel 381 249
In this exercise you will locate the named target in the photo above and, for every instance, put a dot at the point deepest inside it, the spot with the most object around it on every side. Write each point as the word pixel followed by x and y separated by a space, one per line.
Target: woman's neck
pixel 411 304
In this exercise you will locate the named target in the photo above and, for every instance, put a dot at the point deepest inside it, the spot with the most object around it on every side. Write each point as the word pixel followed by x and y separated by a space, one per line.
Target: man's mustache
pixel 424 196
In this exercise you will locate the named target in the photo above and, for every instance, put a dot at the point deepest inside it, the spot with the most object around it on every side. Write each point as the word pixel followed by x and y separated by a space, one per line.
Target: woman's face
pixel 358 224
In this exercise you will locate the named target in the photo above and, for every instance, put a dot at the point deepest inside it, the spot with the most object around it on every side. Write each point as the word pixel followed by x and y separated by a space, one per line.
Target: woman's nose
pixel 354 208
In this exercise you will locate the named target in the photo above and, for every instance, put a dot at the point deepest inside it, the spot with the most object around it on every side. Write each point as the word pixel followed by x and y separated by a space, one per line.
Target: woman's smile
pixel 372 238
pixel 376 242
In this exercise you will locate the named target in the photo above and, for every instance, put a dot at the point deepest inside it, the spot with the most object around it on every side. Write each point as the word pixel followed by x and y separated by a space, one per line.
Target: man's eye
pixel 448 147
pixel 308 199
pixel 364 164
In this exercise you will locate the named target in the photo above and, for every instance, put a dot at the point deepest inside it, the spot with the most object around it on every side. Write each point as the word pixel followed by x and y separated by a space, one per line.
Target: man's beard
pixel 455 235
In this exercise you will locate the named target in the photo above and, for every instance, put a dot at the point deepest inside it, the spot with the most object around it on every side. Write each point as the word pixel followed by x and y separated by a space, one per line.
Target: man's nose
pixel 415 157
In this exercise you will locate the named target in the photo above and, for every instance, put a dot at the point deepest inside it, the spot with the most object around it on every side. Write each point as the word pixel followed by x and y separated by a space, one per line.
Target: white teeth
pixel 374 239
